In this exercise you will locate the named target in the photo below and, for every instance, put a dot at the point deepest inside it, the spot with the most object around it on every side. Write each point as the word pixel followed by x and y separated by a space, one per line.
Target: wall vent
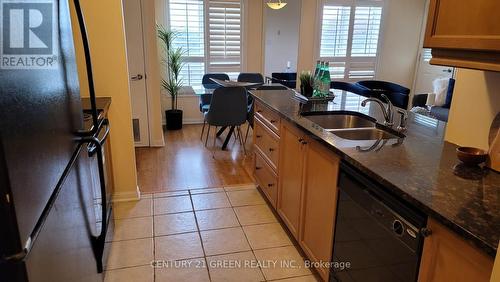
pixel 137 130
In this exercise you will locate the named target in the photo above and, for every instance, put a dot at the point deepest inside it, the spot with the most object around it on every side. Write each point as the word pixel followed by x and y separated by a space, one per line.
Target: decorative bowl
pixel 471 156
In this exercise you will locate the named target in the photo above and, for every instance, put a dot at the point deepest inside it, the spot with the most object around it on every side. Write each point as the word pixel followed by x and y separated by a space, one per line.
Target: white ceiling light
pixel 276 5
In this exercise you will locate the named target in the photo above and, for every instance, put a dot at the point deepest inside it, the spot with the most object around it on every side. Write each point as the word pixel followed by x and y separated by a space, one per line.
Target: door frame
pixel 149 13
pixel 419 54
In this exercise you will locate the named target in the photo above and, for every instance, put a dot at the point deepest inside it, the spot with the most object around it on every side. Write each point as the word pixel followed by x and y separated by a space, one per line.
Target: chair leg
pixel 203 130
pixel 241 141
pixel 246 135
pixel 235 135
pixel 215 136
pixel 208 133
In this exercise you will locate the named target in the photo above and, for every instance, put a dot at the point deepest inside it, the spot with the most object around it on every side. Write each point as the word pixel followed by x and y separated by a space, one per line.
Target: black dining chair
pixel 209 85
pixel 350 87
pixel 252 77
pixel 289 79
pixel 251 106
pixel 397 94
pixel 228 108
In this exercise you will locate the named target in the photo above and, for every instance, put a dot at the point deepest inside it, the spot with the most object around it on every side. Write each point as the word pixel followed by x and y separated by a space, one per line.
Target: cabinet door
pixel 266 142
pixel 319 204
pixel 470 25
pixel 290 177
pixel 446 257
pixel 265 177
pixel 464 34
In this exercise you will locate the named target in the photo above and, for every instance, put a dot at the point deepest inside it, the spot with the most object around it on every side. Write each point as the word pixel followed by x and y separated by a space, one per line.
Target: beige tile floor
pixel 213 234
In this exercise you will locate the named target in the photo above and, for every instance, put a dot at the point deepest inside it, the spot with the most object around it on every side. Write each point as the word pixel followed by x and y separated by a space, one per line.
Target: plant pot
pixel 306 90
pixel 173 119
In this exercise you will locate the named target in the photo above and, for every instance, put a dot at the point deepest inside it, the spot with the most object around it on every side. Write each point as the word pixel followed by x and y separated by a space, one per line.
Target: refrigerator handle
pixel 30 242
pixel 90 76
pixel 93 148
pixel 100 165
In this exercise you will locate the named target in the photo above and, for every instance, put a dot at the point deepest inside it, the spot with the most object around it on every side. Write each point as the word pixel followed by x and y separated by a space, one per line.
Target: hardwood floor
pixel 185 163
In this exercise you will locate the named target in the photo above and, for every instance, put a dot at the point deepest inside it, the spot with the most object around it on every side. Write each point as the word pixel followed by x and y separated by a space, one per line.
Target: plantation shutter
pixel 426 54
pixel 366 29
pixel 349 38
pixel 187 20
pixel 224 36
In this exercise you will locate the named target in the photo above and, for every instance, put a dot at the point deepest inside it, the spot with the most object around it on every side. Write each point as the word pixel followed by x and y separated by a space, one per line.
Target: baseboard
pixel 127 196
pixel 192 121
pixel 188 121
pixel 158 143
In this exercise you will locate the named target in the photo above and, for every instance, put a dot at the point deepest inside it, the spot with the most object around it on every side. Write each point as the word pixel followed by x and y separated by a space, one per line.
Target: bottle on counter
pixel 317 79
pixel 318 66
pixel 325 80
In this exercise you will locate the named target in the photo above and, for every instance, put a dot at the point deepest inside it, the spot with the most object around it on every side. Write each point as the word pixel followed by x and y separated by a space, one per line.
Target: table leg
pixel 221 130
pixel 228 137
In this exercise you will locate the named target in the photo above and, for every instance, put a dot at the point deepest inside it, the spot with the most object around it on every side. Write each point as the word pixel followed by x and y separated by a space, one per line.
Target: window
pixel 427 54
pixel 349 37
pixel 224 36
pixel 186 18
pixel 209 32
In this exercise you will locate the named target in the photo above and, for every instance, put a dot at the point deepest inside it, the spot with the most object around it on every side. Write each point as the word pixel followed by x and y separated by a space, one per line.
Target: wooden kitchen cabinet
pixel 302 187
pixel 446 257
pixel 464 34
pixel 266 179
pixel 319 204
pixel 291 163
pixel 266 142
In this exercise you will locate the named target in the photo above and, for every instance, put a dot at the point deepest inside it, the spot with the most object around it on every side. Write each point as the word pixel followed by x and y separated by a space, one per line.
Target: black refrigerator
pixel 53 226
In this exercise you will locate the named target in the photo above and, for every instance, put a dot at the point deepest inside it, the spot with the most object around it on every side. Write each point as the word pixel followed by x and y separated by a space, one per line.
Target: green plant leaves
pixel 173 61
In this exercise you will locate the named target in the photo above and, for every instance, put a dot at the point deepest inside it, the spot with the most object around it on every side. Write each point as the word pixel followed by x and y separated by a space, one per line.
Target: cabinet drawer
pixel 266 178
pixel 267 142
pixel 268 117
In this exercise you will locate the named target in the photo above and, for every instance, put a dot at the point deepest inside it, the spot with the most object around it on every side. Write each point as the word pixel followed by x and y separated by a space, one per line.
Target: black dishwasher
pixel 377 237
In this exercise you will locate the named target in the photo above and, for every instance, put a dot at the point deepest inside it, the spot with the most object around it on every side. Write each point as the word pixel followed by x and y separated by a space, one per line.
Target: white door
pixel 427 73
pixel 132 12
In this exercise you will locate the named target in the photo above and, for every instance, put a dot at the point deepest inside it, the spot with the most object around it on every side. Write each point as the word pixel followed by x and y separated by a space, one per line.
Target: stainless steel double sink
pixel 351 125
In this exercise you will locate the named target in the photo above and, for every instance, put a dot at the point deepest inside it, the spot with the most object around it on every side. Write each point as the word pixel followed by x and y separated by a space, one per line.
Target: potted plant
pixel 172 83
pixel 306 83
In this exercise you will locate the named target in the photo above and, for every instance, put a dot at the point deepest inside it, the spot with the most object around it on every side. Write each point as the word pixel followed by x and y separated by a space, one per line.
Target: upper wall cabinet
pixel 464 34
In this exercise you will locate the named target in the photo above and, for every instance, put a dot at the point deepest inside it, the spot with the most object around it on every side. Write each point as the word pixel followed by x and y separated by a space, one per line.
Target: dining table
pixel 227 83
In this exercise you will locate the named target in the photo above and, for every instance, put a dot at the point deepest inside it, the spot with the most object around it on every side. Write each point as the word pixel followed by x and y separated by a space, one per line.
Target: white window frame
pixel 349 59
pixel 206 56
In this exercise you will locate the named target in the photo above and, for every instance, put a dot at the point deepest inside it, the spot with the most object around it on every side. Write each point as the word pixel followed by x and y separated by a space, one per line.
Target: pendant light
pixel 276 5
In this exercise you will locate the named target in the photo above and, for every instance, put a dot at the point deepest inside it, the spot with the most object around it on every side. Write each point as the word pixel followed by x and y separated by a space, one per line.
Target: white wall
pixel 281 28
pixel 476 102
pixel 400 40
pixel 308 36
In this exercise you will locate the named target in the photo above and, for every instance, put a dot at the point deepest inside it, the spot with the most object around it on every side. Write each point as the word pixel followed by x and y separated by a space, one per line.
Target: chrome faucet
pixel 387 111
pixel 402 122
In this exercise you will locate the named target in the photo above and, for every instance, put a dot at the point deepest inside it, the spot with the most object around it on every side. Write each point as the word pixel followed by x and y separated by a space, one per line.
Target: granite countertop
pixel 102 104
pixel 422 170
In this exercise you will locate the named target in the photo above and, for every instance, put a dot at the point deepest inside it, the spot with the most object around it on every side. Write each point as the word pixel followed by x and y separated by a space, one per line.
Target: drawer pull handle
pixel 258 136
pixel 270 185
pixel 258 167
pixel 271 150
pixel 303 142
pixel 259 111
pixel 273 121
